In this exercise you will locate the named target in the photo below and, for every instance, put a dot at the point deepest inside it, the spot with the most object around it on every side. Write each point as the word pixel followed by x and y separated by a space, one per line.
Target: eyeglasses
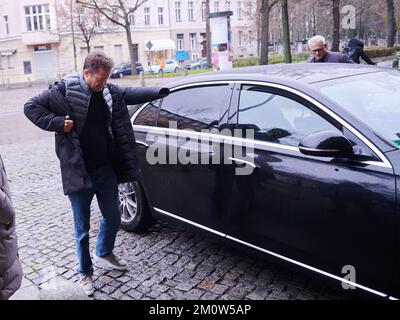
pixel 318 50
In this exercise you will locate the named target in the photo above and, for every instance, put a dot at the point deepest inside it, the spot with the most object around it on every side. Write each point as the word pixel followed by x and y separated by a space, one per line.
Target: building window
pixel 216 6
pixel 147 16
pixel 195 56
pixel 250 41
pixel 179 41
pixel 37 17
pixel 227 5
pixel 6 25
pixel 190 11
pixel 99 48
pixel 240 38
pixel 178 11
pixel 97 20
pixel 192 41
pixel 203 10
pixel 239 10
pixel 161 16
pixel 27 67
pixel 131 19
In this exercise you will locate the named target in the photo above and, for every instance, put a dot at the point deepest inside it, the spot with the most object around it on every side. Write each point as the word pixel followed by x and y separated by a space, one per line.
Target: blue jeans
pixel 105 187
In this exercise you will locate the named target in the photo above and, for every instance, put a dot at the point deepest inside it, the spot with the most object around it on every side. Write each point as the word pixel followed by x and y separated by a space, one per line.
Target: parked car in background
pixel 170 66
pixel 200 64
pixel 323 190
pixel 125 69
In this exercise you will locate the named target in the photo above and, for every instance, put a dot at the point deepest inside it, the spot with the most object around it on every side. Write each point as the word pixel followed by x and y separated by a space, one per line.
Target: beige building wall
pixel 40 55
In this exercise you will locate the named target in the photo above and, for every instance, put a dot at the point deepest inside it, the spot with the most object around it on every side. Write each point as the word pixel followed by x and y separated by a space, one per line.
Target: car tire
pixel 135 214
pixel 121 75
pixel 176 70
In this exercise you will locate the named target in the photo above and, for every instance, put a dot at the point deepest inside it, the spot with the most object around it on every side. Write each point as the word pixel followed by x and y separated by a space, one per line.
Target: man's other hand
pixel 68 124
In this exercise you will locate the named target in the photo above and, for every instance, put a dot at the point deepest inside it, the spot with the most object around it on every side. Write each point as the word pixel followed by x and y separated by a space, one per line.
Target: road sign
pixel 182 55
pixel 149 45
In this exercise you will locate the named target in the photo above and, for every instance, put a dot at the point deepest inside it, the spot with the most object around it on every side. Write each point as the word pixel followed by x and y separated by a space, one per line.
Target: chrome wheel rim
pixel 127 202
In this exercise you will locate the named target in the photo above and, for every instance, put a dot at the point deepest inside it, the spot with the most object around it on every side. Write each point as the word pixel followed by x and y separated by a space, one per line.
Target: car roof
pixel 305 73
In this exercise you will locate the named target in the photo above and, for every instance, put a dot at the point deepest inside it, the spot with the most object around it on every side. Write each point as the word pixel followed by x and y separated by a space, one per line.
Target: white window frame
pixel 240 38
pixel 6 24
pixel 239 10
pixel 191 11
pixel 192 41
pixel 146 16
pixel 216 6
pixel 39 16
pixel 179 42
pixel 160 11
pixel 131 18
pixel 203 10
pixel 195 56
pixel 178 15
pixel 227 5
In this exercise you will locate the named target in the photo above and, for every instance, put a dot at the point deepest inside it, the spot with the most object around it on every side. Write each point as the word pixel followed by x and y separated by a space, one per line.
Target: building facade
pixel 36 41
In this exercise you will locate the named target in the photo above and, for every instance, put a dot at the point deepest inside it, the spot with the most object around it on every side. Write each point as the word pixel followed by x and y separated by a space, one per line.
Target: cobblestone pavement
pixel 167 262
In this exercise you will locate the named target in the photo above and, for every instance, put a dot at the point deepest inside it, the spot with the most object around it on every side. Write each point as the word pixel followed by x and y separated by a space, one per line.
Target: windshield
pixel 372 98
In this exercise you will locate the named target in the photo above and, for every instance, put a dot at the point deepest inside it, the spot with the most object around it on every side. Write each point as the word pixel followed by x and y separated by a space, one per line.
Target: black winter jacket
pixel 48 111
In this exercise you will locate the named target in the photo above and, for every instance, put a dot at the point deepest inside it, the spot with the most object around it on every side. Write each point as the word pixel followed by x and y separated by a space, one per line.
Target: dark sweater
pixel 95 139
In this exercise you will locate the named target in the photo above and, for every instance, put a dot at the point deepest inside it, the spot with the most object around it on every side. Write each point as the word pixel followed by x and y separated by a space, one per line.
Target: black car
pixel 299 161
pixel 125 69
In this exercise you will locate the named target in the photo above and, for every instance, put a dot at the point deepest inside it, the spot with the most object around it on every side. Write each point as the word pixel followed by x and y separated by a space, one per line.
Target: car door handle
pixel 241 161
pixel 142 143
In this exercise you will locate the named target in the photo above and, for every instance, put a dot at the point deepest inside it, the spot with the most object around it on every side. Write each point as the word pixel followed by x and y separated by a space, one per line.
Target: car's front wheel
pixel 135 215
pixel 176 70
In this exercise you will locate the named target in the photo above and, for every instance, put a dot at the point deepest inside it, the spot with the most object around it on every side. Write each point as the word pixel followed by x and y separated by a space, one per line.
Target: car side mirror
pixel 327 143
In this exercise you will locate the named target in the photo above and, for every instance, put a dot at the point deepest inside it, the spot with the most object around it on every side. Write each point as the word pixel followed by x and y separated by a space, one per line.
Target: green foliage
pixel 378 51
pixel 272 59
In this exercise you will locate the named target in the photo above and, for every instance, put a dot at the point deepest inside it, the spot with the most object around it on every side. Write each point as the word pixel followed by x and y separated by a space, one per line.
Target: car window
pixel 148 116
pixel 276 118
pixel 194 108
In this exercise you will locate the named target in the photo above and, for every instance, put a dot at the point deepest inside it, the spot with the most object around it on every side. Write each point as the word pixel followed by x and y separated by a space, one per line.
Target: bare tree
pixel 286 31
pixel 208 32
pixel 336 25
pixel 118 12
pixel 391 32
pixel 86 20
pixel 265 9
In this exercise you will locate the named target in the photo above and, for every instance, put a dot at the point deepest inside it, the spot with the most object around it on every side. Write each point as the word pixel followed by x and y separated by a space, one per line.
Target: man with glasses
pixel 320 52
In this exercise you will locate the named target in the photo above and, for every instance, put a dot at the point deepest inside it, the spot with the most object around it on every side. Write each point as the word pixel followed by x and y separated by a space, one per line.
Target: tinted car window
pixel 194 108
pixel 276 118
pixel 148 116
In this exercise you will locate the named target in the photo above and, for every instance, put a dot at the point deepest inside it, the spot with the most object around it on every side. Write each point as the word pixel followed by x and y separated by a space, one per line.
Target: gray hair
pixel 316 39
pixel 96 60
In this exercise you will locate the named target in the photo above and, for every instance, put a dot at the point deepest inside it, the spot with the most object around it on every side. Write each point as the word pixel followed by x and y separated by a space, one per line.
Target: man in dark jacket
pixel 319 50
pixel 10 267
pixel 96 147
pixel 355 50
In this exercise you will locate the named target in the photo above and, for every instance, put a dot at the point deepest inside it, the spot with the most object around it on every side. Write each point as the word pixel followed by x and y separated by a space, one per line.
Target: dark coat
pixel 10 267
pixel 332 57
pixel 355 50
pixel 48 111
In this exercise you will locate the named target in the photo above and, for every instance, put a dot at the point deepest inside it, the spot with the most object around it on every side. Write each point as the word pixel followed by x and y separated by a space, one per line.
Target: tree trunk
pixel 391 24
pixel 208 33
pixel 264 16
pixel 131 52
pixel 286 32
pixel 336 25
